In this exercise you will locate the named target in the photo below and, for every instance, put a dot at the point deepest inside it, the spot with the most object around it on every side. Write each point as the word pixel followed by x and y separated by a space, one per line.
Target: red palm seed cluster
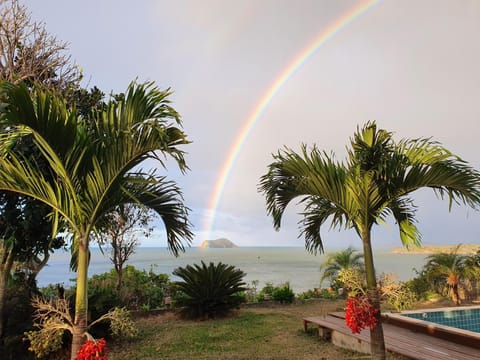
pixel 93 350
pixel 360 314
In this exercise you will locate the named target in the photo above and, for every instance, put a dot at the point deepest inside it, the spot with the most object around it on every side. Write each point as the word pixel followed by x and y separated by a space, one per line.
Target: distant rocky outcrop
pixel 218 244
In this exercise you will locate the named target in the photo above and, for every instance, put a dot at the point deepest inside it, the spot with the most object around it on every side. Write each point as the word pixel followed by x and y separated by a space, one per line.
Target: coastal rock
pixel 217 244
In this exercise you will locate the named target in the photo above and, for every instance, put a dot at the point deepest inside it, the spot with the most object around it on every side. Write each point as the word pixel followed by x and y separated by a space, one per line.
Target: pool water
pixel 466 319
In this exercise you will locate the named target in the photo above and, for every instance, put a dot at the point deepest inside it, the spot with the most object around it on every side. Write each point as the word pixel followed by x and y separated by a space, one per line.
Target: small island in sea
pixel 465 249
pixel 218 244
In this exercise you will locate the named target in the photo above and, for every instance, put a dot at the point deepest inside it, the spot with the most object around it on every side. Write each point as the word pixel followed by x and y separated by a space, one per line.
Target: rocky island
pixel 218 244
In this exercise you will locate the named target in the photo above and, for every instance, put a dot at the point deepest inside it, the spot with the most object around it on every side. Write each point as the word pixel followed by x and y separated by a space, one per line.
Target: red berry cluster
pixel 360 314
pixel 93 350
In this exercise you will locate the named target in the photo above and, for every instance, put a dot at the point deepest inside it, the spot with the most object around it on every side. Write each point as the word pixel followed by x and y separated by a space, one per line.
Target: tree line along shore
pixel 466 249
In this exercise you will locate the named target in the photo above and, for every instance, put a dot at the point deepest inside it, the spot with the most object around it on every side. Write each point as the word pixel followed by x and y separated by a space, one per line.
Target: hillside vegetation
pixel 467 249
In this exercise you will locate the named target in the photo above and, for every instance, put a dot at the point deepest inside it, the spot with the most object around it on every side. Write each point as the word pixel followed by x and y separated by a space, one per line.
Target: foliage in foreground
pixel 95 167
pixel 52 318
pixel 209 291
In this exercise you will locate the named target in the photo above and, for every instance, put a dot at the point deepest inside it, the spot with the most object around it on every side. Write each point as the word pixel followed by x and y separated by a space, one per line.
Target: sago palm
pixel 348 258
pixel 209 291
pixel 96 165
pixel 374 182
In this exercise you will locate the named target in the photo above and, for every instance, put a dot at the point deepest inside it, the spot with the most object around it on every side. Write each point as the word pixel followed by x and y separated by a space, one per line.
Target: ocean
pixel 265 264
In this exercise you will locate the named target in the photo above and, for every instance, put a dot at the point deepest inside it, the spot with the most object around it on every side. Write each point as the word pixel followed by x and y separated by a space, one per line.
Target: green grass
pixel 265 333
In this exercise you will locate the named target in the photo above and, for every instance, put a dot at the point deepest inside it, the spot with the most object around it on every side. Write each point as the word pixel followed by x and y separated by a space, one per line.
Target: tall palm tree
pixel 374 182
pixel 348 258
pixel 449 269
pixel 96 165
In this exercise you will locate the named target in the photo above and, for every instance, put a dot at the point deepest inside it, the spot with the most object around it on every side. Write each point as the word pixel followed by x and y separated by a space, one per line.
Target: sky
pixel 411 65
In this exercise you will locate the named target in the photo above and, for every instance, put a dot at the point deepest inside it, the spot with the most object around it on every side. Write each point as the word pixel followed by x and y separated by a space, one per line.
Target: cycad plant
pixel 209 291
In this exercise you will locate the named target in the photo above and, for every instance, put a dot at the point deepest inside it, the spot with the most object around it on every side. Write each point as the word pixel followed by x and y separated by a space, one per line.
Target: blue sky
pixel 413 66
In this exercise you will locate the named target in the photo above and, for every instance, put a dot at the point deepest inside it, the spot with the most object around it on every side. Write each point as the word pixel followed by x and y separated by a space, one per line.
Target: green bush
pixel 266 293
pixel 283 294
pixel 102 295
pixel 420 285
pixel 141 289
pixel 209 291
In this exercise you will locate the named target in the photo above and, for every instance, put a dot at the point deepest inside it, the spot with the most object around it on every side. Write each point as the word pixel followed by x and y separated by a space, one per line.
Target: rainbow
pixel 273 89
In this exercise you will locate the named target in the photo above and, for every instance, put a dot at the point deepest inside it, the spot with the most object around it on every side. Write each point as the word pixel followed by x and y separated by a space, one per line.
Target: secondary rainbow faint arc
pixel 280 80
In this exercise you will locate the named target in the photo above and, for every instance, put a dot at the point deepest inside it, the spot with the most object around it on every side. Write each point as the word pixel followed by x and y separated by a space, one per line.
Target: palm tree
pixel 472 272
pixel 96 165
pixel 348 258
pixel 374 182
pixel 449 269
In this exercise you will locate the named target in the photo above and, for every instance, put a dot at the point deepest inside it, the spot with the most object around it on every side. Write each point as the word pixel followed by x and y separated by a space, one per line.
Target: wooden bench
pixel 397 340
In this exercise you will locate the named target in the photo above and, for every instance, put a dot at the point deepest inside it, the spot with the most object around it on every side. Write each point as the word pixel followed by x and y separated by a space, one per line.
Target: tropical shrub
pixel 140 289
pixel 267 292
pixel 329 293
pixel 420 285
pixel 209 291
pixel 283 293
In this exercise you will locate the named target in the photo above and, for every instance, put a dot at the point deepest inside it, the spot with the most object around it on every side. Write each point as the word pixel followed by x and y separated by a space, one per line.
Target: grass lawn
pixel 250 333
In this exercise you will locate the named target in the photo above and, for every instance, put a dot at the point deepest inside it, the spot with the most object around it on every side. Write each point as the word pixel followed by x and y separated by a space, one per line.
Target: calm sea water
pixel 265 264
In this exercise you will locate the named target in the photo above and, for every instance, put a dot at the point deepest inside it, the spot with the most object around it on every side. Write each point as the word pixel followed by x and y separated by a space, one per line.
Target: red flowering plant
pixel 359 312
pixel 93 350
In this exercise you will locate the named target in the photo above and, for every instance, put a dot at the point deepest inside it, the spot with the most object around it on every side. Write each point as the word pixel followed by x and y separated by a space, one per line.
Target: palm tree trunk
pixel 455 294
pixel 81 299
pixel 377 340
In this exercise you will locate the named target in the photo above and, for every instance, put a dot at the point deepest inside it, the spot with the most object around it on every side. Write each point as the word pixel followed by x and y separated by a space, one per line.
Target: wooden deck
pixel 397 340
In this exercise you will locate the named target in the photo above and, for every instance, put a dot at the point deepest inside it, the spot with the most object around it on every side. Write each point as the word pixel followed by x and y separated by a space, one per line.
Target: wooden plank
pixel 402 341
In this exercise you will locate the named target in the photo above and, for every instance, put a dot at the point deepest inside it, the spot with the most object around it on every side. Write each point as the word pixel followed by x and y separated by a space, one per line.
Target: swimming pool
pixel 459 324
pixel 466 319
